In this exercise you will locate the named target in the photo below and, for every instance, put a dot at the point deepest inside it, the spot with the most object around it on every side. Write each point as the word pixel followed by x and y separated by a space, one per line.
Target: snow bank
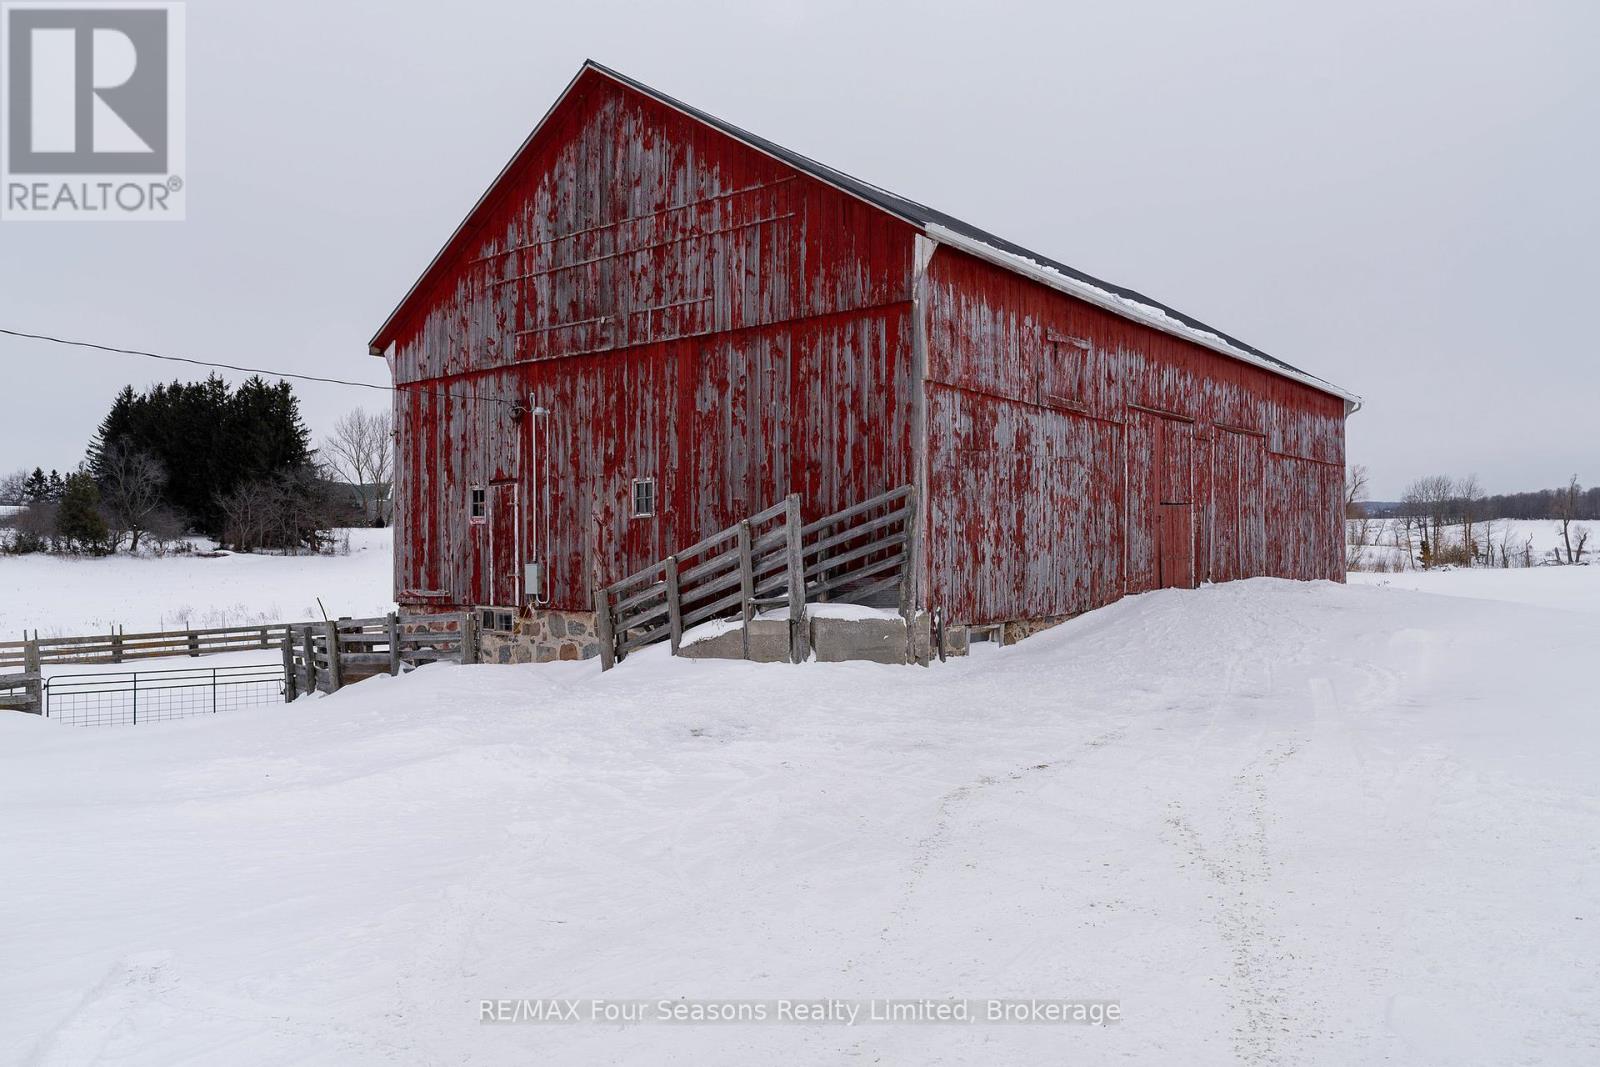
pixel 1567 588
pixel 67 597
pixel 1277 822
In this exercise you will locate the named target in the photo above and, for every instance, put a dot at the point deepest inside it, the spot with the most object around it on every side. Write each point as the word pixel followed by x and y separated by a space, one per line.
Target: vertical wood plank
pixel 602 628
pixel 335 664
pixel 308 649
pixel 33 665
pixel 908 575
pixel 747 584
pixel 674 605
pixel 393 628
pixel 291 680
pixel 799 639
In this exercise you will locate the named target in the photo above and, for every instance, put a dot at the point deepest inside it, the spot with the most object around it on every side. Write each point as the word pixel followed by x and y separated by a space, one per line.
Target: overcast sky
pixel 1400 197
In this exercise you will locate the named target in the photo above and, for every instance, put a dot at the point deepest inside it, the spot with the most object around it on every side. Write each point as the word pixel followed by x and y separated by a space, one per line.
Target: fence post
pixel 747 582
pixel 335 664
pixel 291 683
pixel 308 649
pixel 194 644
pixel 136 699
pixel 34 665
pixel 116 647
pixel 799 640
pixel 213 690
pixel 602 628
pixel 469 637
pixel 908 575
pixel 674 605
pixel 394 643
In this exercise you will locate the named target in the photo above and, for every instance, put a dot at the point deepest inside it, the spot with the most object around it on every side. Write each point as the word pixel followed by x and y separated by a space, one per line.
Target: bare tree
pixel 360 453
pixel 1428 500
pixel 11 487
pixel 131 489
pixel 287 513
pixel 35 527
pixel 1564 509
pixel 1469 501
pixel 1358 524
pixel 1355 488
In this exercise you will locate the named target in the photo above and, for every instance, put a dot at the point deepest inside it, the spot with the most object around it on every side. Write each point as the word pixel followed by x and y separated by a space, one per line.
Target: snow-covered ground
pixel 1276 822
pixel 1567 588
pixel 70 597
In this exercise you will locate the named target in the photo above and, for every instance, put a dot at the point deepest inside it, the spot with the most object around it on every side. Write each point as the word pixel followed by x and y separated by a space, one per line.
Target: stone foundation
pixel 1017 629
pixel 542 636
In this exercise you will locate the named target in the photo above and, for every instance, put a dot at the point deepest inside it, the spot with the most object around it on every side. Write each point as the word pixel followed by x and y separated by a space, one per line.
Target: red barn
pixel 654 324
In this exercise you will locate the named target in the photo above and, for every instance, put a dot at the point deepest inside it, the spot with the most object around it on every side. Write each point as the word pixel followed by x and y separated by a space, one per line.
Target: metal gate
pixel 127 698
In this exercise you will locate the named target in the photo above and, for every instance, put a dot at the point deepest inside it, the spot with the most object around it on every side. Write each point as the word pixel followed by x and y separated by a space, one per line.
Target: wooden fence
pixel 766 562
pixel 316 655
pixel 120 647
pixel 327 656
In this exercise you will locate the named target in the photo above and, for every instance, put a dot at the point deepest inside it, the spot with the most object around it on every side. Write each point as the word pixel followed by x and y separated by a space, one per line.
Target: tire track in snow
pixel 1269 999
pixel 949 814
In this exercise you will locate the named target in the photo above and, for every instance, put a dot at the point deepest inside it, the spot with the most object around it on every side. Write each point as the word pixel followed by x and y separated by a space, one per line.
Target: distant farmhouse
pixel 654 325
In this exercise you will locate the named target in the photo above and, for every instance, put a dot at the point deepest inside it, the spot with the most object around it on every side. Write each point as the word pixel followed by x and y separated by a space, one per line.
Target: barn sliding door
pixel 1161 512
pixel 1177 504
pixel 1238 506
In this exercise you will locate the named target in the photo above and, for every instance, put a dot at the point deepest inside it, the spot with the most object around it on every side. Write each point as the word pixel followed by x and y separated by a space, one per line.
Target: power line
pixel 236 367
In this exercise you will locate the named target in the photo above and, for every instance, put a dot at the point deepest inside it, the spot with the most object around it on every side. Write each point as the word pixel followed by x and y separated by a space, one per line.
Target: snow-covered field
pixel 69 597
pixel 1567 588
pixel 1276 822
pixel 1522 539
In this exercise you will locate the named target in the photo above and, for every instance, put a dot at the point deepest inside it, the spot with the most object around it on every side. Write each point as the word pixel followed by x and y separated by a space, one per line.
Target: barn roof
pixel 946 229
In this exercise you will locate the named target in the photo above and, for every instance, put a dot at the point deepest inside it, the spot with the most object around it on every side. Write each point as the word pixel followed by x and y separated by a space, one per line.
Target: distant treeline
pixel 234 464
pixel 1536 504
pixel 1448 515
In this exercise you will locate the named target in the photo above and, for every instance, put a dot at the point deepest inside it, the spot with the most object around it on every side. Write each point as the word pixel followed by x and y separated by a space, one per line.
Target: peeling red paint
pixel 1042 505
pixel 686 309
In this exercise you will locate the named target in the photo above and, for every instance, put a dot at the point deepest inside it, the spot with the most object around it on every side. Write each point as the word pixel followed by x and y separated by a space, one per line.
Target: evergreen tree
pixel 209 440
pixel 79 523
pixel 36 488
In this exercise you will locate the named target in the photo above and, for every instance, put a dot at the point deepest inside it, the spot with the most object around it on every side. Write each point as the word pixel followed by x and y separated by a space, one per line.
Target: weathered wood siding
pixel 687 309
pixel 1067 445
pixel 690 310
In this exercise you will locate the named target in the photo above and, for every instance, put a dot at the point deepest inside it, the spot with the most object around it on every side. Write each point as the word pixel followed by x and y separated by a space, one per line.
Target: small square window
pixel 478 508
pixel 499 621
pixel 644 497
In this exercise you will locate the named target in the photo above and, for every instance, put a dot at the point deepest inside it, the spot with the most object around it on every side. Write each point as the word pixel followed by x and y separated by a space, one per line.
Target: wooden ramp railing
pixel 766 562
pixel 22 692
pixel 330 655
